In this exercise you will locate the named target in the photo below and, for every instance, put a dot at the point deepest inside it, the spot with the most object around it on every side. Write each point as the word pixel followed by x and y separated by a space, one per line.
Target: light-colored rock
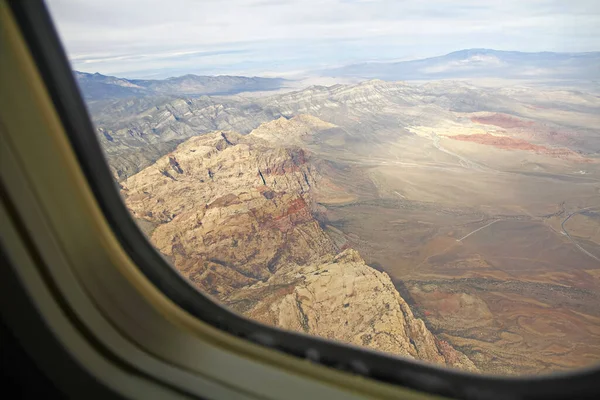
pixel 341 298
pixel 235 216
pixel 224 204
pixel 290 131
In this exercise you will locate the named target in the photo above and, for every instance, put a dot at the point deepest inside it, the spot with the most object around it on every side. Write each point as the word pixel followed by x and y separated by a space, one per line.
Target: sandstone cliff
pixel 235 216
pixel 230 211
pixel 341 298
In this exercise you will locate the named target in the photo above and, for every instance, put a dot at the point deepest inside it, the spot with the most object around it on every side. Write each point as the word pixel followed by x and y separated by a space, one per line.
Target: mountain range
pixel 135 132
pixel 472 63
pixel 98 87
pixel 235 214
pixel 480 63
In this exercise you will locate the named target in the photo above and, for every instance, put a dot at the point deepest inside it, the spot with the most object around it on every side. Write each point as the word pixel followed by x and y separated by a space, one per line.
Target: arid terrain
pixel 442 221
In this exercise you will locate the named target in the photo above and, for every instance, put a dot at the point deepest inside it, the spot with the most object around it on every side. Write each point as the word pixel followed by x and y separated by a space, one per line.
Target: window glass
pixel 418 178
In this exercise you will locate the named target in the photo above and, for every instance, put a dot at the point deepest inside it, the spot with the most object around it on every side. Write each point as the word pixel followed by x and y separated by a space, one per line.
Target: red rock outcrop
pixel 509 143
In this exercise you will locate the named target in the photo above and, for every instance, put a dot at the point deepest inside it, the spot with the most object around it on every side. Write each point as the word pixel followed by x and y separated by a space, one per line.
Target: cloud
pixel 248 36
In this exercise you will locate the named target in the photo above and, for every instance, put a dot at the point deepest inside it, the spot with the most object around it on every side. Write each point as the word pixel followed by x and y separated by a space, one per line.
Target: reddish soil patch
pixel 508 143
pixel 502 121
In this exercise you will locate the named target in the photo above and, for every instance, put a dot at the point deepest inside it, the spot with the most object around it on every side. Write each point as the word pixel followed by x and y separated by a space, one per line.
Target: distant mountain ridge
pixel 469 63
pixel 99 87
pixel 480 63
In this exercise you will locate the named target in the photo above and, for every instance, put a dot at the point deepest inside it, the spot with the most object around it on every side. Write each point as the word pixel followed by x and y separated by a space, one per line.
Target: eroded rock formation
pixel 235 215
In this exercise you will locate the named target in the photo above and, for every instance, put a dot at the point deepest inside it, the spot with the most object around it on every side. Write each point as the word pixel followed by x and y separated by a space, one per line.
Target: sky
pixel 158 38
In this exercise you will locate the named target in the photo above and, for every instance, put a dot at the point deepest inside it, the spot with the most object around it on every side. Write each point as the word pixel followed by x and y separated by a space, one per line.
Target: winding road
pixel 562 225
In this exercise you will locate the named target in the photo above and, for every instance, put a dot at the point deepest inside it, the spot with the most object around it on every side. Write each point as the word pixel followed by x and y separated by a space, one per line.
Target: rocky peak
pixel 284 131
pixel 235 215
pixel 230 208
pixel 342 298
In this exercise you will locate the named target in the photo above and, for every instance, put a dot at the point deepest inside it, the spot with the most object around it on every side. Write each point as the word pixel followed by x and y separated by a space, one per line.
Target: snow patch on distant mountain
pixel 480 63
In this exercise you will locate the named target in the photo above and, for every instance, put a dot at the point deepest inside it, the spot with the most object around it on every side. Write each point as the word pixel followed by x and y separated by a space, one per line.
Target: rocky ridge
pixel 97 86
pixel 235 215
pixel 341 298
pixel 135 132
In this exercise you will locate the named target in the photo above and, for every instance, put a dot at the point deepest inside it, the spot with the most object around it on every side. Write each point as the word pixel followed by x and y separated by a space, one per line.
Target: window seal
pixel 44 44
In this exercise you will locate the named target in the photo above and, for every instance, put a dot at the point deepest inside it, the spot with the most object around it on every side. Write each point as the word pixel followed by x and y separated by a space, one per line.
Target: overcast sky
pixel 159 38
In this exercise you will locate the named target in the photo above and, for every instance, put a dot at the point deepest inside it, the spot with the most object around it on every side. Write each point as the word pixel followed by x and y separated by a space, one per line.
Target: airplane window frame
pixel 44 44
